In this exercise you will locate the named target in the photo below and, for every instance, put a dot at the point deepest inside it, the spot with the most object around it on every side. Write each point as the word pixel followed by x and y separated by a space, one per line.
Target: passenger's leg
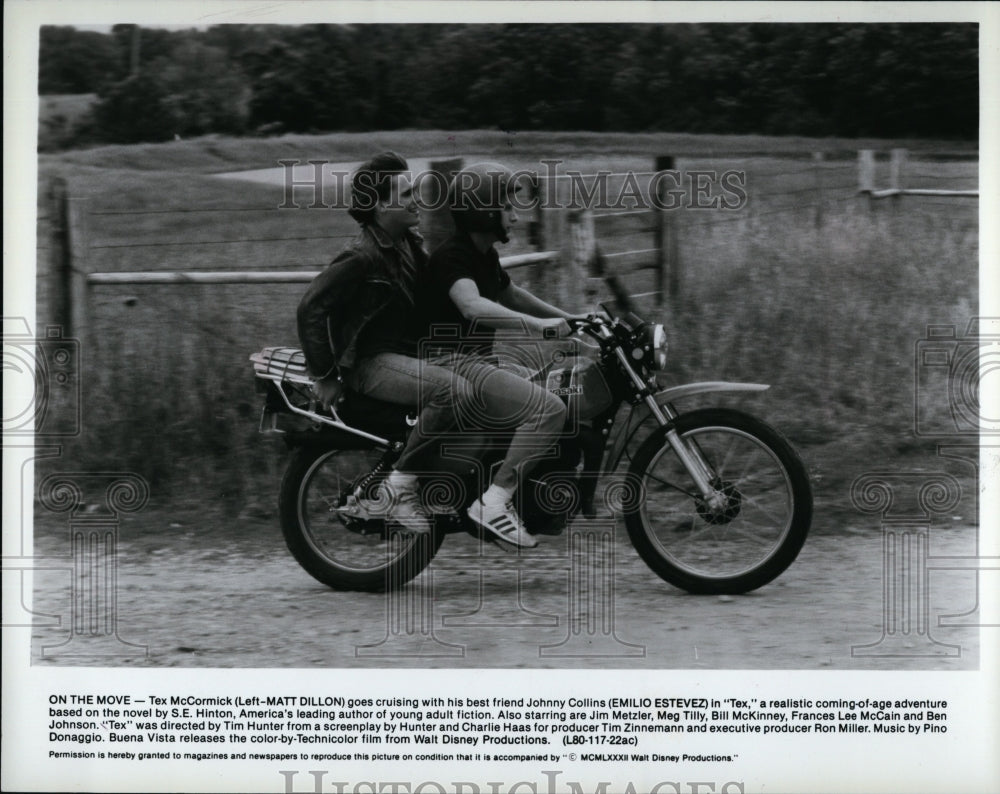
pixel 406 381
pixel 507 401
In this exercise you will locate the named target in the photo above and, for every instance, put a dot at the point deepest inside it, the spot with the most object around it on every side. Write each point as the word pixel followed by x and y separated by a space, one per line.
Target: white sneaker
pixel 503 522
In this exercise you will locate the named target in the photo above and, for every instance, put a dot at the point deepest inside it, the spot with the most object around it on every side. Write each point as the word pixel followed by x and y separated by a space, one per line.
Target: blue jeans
pixel 459 393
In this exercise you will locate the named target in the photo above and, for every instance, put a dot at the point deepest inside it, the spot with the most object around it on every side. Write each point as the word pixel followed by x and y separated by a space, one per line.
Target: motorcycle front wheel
pixel 751 529
pixel 341 550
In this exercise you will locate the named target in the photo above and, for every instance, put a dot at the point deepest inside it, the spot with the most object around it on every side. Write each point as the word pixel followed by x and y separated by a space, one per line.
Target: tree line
pixel 849 80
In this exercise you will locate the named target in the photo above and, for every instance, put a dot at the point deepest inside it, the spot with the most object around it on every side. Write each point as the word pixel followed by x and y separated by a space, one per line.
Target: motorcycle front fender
pixel 689 389
pixel 637 415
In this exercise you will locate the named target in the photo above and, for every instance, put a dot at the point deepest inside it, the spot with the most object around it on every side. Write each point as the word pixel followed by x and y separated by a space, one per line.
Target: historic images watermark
pixel 319 184
pixel 551 785
pixel 42 382
pixel 582 552
pixel 584 557
pixel 950 369
pixel 46 408
pixel 94 503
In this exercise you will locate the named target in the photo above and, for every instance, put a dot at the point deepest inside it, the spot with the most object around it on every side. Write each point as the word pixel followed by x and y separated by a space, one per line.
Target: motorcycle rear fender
pixel 639 414
pixel 328 438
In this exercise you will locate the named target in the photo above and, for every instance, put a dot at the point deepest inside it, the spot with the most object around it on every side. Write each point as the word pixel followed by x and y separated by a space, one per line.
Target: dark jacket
pixel 354 288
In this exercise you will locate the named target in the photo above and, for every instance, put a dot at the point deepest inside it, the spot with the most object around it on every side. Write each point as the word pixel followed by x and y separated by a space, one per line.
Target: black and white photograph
pixel 500 397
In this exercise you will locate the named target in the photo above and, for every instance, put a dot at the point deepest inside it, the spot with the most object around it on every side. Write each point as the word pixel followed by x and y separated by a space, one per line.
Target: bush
pixel 135 110
pixel 195 91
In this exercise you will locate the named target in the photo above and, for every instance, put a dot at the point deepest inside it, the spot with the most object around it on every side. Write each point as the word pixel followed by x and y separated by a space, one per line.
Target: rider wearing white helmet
pixel 466 268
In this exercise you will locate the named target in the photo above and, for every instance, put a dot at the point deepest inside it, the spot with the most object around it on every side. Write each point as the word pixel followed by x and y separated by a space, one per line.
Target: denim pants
pixel 459 394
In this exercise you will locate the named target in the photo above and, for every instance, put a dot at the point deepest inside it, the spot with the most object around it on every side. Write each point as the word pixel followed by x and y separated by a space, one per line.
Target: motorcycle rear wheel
pixel 345 554
pixel 739 544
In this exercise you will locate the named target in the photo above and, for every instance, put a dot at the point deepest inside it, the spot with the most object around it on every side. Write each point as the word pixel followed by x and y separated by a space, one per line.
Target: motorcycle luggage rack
pixel 287 365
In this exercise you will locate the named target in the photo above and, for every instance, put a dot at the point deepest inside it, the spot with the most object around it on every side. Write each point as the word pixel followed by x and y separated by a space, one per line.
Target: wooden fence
pixel 573 231
pixel 897 179
pixel 565 238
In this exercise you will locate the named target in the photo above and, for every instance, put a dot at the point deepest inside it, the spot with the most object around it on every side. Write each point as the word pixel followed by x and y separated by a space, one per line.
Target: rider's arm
pixel 314 335
pixel 520 300
pixel 475 308
pixel 327 295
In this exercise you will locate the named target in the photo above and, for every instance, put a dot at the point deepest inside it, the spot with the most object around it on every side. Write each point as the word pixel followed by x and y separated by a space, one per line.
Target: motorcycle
pixel 714 500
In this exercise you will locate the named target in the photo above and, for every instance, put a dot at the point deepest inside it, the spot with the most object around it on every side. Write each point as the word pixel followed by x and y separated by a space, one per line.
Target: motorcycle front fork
pixel 689 455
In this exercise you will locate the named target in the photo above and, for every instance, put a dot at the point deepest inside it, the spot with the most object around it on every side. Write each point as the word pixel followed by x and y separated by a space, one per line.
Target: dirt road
pixel 225 593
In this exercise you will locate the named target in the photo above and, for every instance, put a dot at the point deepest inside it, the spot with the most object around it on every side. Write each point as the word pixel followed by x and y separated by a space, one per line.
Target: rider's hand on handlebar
pixel 554 327
pixel 579 321
pixel 327 390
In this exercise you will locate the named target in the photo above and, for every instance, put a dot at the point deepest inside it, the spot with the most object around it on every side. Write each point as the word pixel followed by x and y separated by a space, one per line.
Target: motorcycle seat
pixel 373 415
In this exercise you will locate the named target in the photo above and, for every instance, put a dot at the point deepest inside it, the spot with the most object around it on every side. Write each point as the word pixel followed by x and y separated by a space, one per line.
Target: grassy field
pixel 811 291
pixel 214 154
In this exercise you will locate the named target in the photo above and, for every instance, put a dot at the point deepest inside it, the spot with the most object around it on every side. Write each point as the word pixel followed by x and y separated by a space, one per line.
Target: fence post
pixel 536 226
pixel 866 174
pixel 579 252
pixel 667 263
pixel 60 264
pixel 439 226
pixel 897 168
pixel 818 158
pixel 76 269
pixel 553 284
pixel 536 229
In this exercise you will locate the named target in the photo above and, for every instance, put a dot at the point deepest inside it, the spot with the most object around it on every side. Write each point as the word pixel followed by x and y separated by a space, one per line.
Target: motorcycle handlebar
pixel 591 325
pixel 583 323
pixel 575 324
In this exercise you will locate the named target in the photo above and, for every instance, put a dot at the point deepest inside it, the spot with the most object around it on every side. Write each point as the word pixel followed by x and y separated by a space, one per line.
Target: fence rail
pixel 897 174
pixel 266 276
pixel 922 191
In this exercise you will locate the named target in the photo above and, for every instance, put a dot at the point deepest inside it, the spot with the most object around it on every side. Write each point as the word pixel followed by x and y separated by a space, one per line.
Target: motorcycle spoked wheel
pixel 345 554
pixel 738 544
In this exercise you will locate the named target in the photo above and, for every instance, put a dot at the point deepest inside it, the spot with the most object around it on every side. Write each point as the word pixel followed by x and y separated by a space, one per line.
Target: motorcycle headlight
pixel 659 347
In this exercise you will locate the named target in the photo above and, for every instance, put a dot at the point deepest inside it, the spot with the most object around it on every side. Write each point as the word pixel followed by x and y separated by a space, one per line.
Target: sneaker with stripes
pixel 503 522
